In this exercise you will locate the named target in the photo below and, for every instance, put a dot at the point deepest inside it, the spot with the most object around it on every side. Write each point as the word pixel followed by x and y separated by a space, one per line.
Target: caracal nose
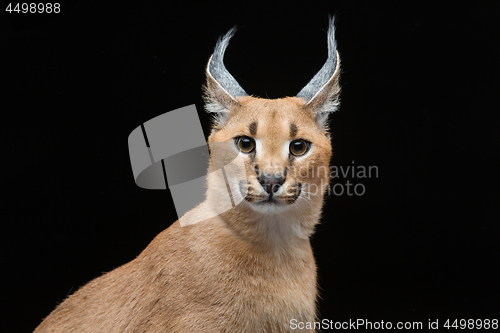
pixel 271 184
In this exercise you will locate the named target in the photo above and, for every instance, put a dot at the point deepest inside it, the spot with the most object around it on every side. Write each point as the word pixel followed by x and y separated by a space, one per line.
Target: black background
pixel 419 101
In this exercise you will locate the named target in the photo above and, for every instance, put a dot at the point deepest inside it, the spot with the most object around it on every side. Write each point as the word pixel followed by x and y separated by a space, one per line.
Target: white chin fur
pixel 265 207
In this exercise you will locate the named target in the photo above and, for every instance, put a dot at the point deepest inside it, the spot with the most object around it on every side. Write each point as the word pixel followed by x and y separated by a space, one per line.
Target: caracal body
pixel 247 269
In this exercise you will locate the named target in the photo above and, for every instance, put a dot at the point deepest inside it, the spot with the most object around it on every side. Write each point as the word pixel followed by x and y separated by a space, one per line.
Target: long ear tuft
pixel 323 91
pixel 221 87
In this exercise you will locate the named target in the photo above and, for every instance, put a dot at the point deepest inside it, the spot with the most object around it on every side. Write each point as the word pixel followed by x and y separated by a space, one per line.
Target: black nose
pixel 271 184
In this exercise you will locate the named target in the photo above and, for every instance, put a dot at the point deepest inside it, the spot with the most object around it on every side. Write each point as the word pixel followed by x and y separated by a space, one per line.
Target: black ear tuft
pixel 221 87
pixel 323 91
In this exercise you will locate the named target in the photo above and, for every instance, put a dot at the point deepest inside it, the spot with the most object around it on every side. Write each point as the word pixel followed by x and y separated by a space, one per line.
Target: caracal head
pixel 284 144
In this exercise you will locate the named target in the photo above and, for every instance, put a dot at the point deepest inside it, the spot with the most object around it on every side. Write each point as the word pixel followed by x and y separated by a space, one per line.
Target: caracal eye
pixel 299 147
pixel 245 144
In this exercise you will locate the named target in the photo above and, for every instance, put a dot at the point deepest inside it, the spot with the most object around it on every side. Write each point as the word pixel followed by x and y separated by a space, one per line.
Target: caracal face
pixel 285 152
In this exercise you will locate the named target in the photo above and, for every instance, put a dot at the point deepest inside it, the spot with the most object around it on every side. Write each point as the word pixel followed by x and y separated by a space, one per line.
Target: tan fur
pixel 246 270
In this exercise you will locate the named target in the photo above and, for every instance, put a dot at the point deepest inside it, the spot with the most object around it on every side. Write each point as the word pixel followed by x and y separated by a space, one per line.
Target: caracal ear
pixel 221 88
pixel 323 91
